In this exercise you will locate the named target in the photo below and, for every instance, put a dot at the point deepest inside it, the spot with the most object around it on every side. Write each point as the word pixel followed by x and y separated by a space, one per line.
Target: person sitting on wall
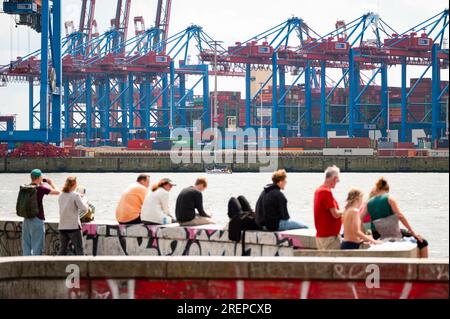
pixel 386 217
pixel 156 209
pixel 271 209
pixel 128 210
pixel 327 215
pixel 353 228
pixel 189 201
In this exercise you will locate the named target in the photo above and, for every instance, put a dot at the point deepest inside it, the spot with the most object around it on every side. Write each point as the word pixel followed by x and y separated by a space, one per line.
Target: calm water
pixel 424 198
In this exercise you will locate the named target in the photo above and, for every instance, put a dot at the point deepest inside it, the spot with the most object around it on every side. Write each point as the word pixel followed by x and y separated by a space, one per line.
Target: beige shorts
pixel 198 221
pixel 328 243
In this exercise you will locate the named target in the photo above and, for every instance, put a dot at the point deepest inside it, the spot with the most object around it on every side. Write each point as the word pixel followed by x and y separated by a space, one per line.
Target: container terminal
pixel 120 93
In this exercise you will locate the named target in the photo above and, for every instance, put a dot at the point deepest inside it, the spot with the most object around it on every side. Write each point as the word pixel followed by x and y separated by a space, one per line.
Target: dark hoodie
pixel 271 208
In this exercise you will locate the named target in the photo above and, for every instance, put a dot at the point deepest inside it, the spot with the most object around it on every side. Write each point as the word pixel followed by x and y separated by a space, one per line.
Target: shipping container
pixel 136 145
pixel 348 152
pixel 386 145
pixel 438 153
pixel 162 145
pixel 305 143
pixel 393 153
pixel 77 153
pixel 404 146
pixel 350 143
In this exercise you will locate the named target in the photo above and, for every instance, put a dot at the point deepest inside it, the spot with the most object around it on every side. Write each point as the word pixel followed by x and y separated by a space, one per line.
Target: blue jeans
pixel 291 225
pixel 33 237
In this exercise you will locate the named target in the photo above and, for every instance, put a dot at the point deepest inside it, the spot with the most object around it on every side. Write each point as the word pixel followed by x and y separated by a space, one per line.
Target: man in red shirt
pixel 327 215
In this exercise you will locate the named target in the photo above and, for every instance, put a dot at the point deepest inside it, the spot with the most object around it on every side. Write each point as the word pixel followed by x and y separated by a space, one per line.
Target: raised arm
pixel 53 189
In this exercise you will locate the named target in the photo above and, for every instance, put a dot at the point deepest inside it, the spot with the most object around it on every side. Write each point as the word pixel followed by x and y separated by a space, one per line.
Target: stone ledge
pixel 307 268
pixel 110 239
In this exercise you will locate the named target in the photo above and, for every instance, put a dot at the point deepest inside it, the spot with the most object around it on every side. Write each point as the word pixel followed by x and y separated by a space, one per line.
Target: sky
pixel 228 21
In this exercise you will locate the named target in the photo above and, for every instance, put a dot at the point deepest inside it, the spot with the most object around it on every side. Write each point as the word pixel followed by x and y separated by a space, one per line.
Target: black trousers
pixel 421 245
pixel 238 206
pixel 74 236
pixel 137 221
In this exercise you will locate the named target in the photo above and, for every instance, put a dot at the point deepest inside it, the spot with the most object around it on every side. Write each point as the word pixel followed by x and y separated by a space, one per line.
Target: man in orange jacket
pixel 128 211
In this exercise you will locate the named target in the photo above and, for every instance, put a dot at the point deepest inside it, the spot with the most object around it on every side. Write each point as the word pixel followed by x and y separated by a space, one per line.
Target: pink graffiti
pixel 90 229
pixel 296 242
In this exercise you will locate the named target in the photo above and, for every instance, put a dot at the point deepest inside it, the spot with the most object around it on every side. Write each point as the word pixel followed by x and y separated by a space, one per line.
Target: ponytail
pixel 382 185
pixel 159 185
pixel 69 184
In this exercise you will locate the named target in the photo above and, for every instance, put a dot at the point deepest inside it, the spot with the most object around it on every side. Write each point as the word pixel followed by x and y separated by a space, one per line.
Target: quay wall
pixel 189 278
pixel 173 240
pixel 292 163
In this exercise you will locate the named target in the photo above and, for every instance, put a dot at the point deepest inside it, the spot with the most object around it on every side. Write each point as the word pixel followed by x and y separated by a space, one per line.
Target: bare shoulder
pixel 392 199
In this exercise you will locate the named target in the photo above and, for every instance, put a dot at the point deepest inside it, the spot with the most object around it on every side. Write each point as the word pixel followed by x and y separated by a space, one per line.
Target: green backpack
pixel 27 203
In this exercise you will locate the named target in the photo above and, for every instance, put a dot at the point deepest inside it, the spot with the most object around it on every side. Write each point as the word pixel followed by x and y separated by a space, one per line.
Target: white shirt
pixel 70 205
pixel 156 207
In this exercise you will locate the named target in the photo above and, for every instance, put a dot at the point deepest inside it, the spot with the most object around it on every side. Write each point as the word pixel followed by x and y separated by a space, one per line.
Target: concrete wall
pixel 172 240
pixel 230 278
pixel 292 163
pixel 140 240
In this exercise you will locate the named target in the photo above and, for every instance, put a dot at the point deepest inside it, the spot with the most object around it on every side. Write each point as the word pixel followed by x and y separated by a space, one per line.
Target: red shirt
pixel 326 224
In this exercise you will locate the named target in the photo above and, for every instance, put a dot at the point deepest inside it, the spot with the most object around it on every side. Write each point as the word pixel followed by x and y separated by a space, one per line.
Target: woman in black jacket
pixel 271 209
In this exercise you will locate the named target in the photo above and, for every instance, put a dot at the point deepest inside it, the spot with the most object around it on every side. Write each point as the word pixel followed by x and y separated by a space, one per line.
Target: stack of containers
pixel 3 150
pixel 303 143
pixel 139 145
pixel 229 104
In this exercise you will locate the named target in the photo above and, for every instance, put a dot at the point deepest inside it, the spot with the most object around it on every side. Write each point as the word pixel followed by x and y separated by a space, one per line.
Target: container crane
pixel 38 14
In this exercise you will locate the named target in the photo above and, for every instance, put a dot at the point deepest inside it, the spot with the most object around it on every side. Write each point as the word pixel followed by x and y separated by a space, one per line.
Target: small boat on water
pixel 218 170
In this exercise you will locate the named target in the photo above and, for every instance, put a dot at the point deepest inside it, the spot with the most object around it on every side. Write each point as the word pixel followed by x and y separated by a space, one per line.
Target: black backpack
pixel 27 203
pixel 238 227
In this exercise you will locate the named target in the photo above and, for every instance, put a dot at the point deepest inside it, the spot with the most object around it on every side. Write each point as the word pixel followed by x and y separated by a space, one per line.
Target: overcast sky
pixel 228 21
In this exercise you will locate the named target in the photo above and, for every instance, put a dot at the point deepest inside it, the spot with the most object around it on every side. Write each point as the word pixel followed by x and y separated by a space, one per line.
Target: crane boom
pixel 87 21
pixel 162 22
pixel 120 22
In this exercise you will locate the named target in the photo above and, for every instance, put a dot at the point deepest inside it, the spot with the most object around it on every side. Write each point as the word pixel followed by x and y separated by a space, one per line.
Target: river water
pixel 424 198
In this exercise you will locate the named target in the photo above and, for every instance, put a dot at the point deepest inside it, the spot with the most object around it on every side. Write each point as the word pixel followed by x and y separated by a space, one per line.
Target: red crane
pixel 162 22
pixel 87 21
pixel 120 22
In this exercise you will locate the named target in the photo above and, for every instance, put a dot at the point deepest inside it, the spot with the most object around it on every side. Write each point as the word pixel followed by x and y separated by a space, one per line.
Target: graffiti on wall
pixel 254 289
pixel 140 240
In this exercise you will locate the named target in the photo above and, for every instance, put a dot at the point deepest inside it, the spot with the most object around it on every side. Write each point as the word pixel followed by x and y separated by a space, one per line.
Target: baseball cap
pixel 168 181
pixel 36 173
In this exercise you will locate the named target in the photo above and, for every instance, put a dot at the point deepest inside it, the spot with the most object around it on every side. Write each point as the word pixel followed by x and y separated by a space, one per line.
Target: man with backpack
pixel 30 207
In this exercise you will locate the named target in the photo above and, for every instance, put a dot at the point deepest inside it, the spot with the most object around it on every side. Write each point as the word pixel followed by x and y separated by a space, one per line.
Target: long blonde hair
pixel 353 196
pixel 69 184
pixel 161 184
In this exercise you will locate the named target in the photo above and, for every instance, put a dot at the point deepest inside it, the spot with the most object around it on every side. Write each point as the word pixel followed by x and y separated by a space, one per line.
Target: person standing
pixel 156 209
pixel 128 211
pixel 33 229
pixel 327 215
pixel 271 209
pixel 189 202
pixel 70 206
